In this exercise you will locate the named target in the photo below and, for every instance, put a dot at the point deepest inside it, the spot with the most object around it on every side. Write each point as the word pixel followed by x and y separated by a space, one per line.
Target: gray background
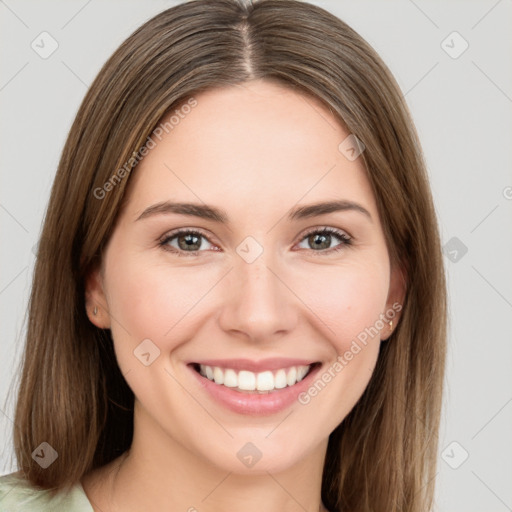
pixel 462 109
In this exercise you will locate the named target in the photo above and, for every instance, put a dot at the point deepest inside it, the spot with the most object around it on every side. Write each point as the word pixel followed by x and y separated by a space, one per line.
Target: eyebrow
pixel 204 211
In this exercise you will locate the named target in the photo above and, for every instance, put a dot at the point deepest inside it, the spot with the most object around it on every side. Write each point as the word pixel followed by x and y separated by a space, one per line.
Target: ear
pixel 95 299
pixel 395 301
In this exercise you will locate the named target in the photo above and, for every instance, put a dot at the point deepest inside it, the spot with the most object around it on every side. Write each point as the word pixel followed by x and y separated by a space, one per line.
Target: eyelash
pixel 343 238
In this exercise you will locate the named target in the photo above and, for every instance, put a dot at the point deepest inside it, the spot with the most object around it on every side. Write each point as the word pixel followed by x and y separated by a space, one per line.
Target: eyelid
pixel 336 231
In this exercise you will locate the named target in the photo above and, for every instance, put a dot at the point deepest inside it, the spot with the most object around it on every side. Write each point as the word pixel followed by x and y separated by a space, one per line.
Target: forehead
pixel 254 145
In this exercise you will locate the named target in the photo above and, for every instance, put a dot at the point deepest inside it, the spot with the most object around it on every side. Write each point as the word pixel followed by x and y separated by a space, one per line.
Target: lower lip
pixel 255 404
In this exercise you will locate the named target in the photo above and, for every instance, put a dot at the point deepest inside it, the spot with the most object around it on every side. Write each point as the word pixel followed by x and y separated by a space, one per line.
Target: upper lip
pixel 273 363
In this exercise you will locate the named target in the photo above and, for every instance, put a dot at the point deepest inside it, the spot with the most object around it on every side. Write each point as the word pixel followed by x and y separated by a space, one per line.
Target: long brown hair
pixel 72 394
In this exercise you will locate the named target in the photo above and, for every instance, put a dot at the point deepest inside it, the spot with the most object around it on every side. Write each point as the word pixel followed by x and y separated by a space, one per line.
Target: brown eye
pixel 321 240
pixel 183 242
pixel 190 241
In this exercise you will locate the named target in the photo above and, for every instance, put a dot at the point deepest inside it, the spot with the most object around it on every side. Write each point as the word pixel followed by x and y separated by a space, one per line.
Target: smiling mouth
pixel 245 381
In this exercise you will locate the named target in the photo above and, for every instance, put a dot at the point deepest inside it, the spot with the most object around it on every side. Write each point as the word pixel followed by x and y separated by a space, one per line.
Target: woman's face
pixel 255 289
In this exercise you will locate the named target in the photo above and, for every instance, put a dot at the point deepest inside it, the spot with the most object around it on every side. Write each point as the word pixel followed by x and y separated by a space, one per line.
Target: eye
pixel 187 242
pixel 321 239
pixel 183 241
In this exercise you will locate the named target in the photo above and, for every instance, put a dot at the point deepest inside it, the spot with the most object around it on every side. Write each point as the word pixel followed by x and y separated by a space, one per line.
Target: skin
pixel 255 150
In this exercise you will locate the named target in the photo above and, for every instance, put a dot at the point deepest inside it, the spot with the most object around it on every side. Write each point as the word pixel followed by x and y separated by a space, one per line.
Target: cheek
pixel 348 300
pixel 160 304
pixel 155 302
pixel 349 304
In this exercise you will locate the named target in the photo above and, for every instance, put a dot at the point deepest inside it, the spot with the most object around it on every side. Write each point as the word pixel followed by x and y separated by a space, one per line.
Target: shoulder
pixel 17 495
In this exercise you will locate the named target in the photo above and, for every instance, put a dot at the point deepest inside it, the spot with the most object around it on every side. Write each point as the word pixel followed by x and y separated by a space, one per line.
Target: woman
pixel 239 297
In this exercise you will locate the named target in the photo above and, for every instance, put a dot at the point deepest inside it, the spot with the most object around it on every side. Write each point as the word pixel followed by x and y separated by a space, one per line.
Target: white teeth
pixel 291 376
pixel 280 379
pixel 265 381
pixel 218 375
pixel 245 380
pixel 301 372
pixel 230 378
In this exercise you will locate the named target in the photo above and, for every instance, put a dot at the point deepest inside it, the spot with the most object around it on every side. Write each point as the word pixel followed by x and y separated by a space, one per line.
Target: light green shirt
pixel 17 495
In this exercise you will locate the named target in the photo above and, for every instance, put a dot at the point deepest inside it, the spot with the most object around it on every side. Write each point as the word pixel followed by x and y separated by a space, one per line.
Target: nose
pixel 258 303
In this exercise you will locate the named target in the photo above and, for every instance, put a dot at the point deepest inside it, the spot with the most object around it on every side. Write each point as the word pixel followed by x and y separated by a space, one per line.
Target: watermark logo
pixel 455 455
pixel 45 455
pixel 44 45
pixel 249 455
pixel 455 249
pixel 454 45
pixel 146 352
pixel 351 147
pixel 249 249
